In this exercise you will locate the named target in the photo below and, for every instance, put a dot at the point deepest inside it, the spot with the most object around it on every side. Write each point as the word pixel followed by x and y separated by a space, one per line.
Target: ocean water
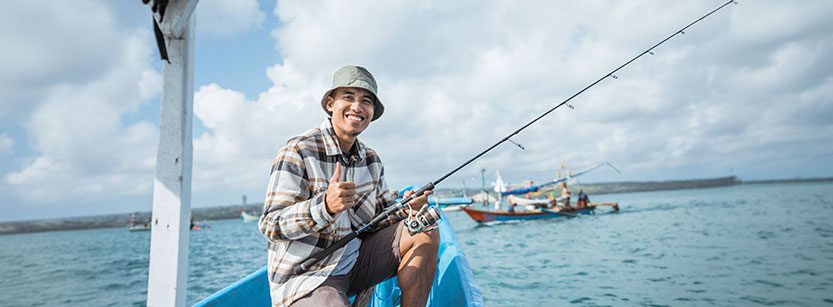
pixel 734 246
pixel 109 267
pixel 746 245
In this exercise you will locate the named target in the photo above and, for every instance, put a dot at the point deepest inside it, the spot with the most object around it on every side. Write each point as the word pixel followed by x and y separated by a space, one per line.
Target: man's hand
pixel 418 202
pixel 340 195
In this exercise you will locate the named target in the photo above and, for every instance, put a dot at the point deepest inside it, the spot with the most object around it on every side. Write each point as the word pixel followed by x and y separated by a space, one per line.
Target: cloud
pixel 742 84
pixel 45 36
pixel 242 136
pixel 228 17
pixel 86 148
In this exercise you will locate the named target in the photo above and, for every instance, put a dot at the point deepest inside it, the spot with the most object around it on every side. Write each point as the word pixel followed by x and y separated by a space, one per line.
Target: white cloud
pixel 150 84
pixel 228 17
pixel 41 37
pixel 458 76
pixel 85 149
pixel 243 135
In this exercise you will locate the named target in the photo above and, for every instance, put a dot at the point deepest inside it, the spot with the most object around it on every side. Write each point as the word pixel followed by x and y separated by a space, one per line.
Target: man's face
pixel 352 110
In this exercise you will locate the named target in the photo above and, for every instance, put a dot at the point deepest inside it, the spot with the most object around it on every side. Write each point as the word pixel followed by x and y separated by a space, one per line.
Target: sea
pixel 745 245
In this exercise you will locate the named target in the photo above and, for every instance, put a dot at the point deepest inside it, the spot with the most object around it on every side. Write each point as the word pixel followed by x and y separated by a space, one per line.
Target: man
pixel 583 199
pixel 325 183
pixel 565 195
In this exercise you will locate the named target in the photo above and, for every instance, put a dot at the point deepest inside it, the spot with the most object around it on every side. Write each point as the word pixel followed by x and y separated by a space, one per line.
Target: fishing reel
pixel 423 220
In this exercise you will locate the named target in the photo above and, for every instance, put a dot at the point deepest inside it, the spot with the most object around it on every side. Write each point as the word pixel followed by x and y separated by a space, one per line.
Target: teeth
pixel 356 118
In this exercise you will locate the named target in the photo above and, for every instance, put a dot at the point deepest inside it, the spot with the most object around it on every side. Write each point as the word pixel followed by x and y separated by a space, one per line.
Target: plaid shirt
pixel 295 219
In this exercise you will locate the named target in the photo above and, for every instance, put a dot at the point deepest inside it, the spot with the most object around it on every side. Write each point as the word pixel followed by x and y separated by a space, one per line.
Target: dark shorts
pixel 378 260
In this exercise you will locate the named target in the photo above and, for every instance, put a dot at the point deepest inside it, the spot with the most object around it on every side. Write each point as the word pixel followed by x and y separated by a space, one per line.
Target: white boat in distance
pixel 247 217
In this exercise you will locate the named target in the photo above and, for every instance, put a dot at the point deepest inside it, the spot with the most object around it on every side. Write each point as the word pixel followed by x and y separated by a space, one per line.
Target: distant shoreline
pixel 118 220
pixel 794 180
pixel 648 186
pixel 233 211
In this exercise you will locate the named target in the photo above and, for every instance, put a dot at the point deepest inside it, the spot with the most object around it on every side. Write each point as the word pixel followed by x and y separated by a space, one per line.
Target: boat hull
pixel 484 216
pixel 248 217
pixel 138 228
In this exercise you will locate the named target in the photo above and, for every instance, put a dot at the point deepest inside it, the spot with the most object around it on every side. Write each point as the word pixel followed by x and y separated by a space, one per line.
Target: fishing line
pixel 610 74
pixel 306 264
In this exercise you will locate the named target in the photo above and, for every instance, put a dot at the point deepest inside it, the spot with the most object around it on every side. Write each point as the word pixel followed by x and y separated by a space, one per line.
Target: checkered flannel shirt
pixel 295 220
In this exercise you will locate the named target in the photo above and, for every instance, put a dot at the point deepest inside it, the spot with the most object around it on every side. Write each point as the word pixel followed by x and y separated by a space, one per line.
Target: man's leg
pixel 417 265
pixel 393 251
pixel 330 293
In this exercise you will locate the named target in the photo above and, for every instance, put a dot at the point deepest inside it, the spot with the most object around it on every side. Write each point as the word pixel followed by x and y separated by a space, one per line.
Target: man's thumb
pixel 337 174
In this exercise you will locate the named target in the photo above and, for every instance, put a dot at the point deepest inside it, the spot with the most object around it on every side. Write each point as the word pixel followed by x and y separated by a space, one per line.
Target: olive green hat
pixel 359 77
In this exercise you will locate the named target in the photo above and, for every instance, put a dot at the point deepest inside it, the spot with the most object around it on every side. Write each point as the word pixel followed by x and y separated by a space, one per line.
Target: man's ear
pixel 329 103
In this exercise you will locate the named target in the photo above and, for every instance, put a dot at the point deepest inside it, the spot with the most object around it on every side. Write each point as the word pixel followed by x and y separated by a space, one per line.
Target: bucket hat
pixel 359 77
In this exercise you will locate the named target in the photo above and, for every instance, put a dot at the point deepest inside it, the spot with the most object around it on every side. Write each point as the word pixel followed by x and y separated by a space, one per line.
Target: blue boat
pixel 450 201
pixel 453 282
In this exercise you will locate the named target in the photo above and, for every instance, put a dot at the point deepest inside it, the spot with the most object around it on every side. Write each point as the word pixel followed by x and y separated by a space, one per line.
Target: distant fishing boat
pixel 530 187
pixel 453 282
pixel 248 217
pixel 483 216
pixel 134 227
pixel 144 227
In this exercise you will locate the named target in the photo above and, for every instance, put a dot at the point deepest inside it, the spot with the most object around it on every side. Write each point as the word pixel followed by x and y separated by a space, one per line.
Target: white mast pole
pixel 170 227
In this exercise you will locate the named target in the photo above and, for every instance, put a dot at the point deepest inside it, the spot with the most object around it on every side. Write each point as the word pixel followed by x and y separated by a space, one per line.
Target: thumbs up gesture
pixel 340 195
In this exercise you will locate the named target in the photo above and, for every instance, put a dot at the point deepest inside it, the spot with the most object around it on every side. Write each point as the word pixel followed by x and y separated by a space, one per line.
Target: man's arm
pixel 290 211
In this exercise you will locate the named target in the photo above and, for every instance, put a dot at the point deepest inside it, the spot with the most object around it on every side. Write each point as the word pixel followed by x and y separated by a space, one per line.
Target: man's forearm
pixel 295 221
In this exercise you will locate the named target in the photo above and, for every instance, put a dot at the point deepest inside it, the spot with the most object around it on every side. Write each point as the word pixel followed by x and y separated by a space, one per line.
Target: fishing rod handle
pixel 426 187
pixel 315 258
pixel 395 207
pixel 417 193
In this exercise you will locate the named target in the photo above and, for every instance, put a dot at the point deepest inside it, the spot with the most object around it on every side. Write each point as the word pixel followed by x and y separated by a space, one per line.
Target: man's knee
pixel 420 242
pixel 429 240
pixel 429 237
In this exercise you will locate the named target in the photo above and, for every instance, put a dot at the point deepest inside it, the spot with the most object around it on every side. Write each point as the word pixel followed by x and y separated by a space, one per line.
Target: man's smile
pixel 355 118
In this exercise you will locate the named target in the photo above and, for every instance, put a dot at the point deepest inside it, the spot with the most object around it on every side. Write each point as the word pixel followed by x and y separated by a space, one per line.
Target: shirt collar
pixel 331 143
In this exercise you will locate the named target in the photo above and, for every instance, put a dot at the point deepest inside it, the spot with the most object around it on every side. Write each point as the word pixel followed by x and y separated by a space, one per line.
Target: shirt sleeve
pixel 290 211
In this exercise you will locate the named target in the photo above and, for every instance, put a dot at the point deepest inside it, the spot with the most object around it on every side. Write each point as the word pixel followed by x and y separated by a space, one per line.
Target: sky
pixel 746 92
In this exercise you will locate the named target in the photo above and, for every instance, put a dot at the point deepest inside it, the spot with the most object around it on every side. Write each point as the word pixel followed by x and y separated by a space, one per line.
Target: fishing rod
pixel 598 166
pixel 399 205
pixel 565 178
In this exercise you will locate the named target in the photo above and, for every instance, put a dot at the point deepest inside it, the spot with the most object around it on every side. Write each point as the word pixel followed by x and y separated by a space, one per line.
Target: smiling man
pixel 326 183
